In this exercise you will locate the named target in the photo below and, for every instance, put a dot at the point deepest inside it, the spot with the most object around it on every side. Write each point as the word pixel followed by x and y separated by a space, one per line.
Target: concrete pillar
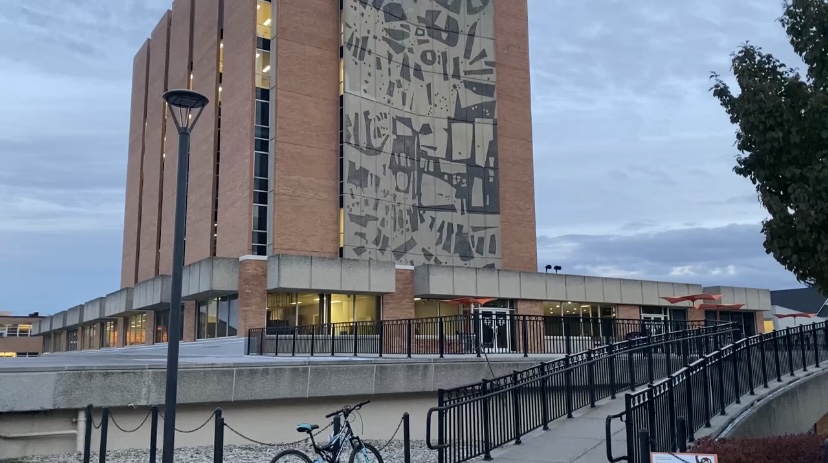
pixel 400 304
pixel 149 328
pixel 695 315
pixel 189 320
pixel 252 294
pixel 120 331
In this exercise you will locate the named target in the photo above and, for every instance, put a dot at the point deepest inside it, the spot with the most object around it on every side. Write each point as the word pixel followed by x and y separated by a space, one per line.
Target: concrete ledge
pixel 752 298
pixel 329 274
pixel 94 309
pixel 447 282
pixel 44 325
pixel 152 294
pixel 59 320
pixel 29 390
pixel 74 316
pixel 119 302
pixel 210 278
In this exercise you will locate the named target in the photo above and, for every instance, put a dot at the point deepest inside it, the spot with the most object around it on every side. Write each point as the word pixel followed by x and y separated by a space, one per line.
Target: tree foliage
pixel 782 137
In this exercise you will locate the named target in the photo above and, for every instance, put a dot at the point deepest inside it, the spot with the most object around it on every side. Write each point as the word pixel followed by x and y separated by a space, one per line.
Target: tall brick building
pixel 359 160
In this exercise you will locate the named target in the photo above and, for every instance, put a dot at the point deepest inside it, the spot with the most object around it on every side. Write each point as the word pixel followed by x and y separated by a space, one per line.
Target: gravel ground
pixel 236 454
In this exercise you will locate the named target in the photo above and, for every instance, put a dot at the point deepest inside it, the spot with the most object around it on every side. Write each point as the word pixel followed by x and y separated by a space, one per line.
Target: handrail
pixel 715 381
pixel 506 397
pixel 608 424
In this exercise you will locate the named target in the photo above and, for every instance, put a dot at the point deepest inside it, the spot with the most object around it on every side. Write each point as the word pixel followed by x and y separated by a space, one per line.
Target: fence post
pixel 476 327
pixel 802 347
pixel 789 348
pixel 516 406
pixel 763 350
pixel 409 335
pixel 441 335
pixel 734 357
pixel 406 438
pixel 104 432
pixel 567 332
pixel 643 446
pixel 611 360
pixel 441 426
pixel 631 364
pixel 650 366
pixel 706 389
pixel 313 340
pixel 293 347
pixel 568 385
pixel 671 411
pixel 87 434
pixel 776 356
pixel 681 434
pixel 333 339
pixel 749 367
pixel 720 368
pixel 261 341
pixel 591 377
pixel 153 433
pixel 525 336
pixel 487 445
pixel 689 411
pixel 380 338
pixel 544 401
pixel 814 345
pixel 356 338
pixel 218 438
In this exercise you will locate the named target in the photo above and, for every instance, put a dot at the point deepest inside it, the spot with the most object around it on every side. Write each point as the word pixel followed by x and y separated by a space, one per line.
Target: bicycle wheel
pixel 291 456
pixel 365 453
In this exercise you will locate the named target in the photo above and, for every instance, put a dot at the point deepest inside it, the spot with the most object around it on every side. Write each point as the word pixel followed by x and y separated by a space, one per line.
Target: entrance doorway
pixel 495 329
pixel 654 323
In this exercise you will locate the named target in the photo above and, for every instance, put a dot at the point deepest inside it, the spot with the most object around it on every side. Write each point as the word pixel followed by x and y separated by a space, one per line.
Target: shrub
pixel 799 448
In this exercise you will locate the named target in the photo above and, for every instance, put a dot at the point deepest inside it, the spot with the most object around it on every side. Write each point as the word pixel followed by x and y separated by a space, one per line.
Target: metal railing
pixel 472 420
pixel 667 414
pixel 475 334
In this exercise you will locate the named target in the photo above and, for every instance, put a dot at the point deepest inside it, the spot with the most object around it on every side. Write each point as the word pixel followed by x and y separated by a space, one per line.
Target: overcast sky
pixel 633 156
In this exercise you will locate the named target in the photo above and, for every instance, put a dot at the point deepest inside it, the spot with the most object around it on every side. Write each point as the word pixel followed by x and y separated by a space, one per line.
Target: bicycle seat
pixel 306 427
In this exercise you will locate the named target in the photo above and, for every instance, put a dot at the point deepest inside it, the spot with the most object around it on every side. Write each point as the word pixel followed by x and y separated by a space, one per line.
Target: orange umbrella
pixel 692 298
pixel 719 306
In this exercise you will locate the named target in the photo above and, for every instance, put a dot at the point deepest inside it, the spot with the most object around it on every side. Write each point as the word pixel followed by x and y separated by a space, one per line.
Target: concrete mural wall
pixel 419 161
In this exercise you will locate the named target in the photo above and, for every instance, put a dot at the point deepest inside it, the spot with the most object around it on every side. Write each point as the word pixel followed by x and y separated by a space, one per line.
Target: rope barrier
pixel 112 417
pixel 212 415
pixel 274 445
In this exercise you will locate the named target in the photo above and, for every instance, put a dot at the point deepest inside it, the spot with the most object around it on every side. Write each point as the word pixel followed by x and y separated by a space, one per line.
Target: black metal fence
pixel 667 414
pixel 496 333
pixel 472 420
pixel 220 426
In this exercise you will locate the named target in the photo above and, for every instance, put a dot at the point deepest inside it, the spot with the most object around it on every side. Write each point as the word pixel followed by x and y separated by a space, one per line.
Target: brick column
pixel 535 329
pixel 628 312
pixel 149 328
pixel 695 315
pixel 252 294
pixel 120 333
pixel 400 304
pixel 188 318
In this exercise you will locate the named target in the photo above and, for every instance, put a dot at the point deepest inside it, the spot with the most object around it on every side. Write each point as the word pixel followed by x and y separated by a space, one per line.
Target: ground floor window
pixel 745 320
pixel 301 309
pixel 90 337
pixel 136 332
pixel 109 334
pixel 162 325
pixel 578 319
pixel 71 340
pixel 218 318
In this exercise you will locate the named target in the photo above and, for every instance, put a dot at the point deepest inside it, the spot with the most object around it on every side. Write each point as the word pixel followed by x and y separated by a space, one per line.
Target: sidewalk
pixel 579 439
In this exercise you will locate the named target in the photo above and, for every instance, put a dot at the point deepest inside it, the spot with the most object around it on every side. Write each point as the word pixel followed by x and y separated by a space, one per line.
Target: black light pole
pixel 185 107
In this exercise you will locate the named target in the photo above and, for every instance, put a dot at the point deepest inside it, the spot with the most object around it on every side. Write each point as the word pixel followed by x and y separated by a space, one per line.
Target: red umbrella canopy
pixel 692 298
pixel 794 315
pixel 719 306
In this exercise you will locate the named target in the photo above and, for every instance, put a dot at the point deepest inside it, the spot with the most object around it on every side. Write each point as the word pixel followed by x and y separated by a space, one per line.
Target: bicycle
pixel 331 452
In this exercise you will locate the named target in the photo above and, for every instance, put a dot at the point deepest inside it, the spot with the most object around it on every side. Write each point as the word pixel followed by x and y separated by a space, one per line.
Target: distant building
pixel 806 301
pixel 16 338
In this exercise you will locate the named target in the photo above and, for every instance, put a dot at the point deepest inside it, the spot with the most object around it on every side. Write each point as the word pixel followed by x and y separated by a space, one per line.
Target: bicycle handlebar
pixel 346 410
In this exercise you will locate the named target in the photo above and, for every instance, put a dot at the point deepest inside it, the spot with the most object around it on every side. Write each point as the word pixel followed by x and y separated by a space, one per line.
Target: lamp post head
pixel 185 107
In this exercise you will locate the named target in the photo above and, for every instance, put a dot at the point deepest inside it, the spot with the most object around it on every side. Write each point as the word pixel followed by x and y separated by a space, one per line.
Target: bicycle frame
pixel 331 452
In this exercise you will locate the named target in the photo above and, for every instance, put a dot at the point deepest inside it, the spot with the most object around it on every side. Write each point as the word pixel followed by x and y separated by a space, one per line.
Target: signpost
pixel 659 457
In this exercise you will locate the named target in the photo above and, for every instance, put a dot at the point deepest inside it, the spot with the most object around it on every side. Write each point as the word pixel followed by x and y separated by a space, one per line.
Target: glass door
pixel 653 324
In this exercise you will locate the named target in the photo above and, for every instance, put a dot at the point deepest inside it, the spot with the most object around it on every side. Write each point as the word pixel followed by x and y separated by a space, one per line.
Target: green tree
pixel 782 137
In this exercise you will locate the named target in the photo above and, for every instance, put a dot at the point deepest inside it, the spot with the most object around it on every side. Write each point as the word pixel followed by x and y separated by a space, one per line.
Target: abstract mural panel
pixel 419 132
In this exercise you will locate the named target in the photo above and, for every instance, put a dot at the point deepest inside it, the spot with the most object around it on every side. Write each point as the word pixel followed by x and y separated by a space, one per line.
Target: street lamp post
pixel 185 107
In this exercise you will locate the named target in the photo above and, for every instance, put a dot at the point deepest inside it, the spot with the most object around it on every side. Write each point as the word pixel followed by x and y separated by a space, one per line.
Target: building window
pixel 261 175
pixel 218 318
pixel 162 325
pixel 581 319
pixel 300 309
pixel 16 330
pixel 71 340
pixel 136 329
pixel 263 19
pixel 8 354
pixel 90 337
pixel 109 334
